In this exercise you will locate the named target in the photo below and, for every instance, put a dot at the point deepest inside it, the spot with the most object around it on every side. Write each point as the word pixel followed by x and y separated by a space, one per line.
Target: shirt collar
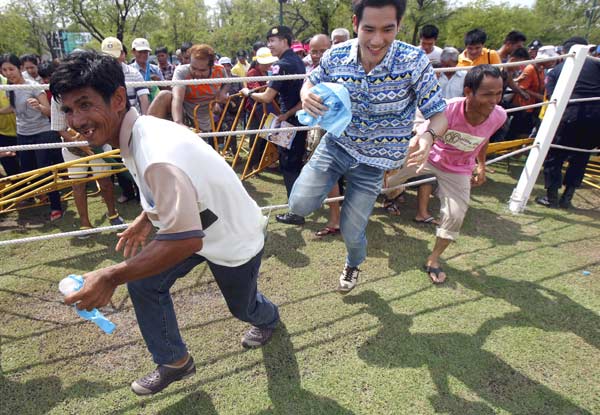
pixel 126 129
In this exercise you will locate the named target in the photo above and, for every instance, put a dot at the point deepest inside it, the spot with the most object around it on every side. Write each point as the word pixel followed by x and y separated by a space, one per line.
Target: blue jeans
pixel 363 183
pixel 156 316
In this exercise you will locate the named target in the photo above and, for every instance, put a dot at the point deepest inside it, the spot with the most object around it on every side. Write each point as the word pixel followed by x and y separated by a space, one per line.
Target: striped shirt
pixel 384 101
pixel 132 75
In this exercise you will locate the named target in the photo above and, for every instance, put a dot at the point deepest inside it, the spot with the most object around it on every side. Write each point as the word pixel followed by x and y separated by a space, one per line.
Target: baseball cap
pixel 112 46
pixel 297 47
pixel 140 44
pixel 535 44
pixel 224 60
pixel 264 56
pixel 280 31
pixel 546 52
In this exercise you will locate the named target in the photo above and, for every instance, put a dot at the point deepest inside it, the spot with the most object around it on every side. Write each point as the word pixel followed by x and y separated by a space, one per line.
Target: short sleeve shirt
pixel 384 101
pixel 150 70
pixel 457 150
pixel 289 91
pixel 487 56
pixel 199 94
pixel 29 120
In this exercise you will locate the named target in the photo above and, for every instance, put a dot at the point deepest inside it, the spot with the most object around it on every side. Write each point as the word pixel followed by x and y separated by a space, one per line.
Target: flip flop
pixel 435 271
pixel 327 230
pixel 393 205
pixel 429 220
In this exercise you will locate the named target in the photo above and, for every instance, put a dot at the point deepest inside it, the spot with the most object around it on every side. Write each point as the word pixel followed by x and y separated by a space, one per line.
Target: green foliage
pixel 16 35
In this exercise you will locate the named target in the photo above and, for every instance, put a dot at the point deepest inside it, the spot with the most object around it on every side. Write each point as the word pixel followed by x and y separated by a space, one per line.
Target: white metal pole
pixel 562 93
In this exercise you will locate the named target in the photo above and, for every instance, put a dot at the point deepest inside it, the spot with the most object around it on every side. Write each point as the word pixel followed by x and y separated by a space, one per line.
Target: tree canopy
pixel 28 25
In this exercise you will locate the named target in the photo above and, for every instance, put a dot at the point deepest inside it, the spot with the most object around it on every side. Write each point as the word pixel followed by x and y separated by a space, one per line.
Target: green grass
pixel 514 331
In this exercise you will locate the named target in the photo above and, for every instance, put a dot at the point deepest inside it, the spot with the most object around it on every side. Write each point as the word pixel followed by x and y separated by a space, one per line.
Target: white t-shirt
pixel 435 55
pixel 188 190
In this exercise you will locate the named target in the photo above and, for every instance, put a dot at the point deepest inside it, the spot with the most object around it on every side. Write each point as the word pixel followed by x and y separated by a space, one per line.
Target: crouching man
pixel 181 181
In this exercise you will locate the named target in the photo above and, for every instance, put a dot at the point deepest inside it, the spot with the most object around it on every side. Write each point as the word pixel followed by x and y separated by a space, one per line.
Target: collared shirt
pixel 384 101
pixel 132 75
pixel 452 87
pixel 240 70
pixel 168 71
pixel 289 91
pixel 487 56
pixel 151 69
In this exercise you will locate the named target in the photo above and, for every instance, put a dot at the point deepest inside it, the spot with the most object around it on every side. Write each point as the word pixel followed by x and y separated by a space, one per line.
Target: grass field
pixel 516 329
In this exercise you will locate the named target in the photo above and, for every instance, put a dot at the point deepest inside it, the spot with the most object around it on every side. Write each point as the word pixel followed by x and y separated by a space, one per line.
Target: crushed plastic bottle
pixel 74 283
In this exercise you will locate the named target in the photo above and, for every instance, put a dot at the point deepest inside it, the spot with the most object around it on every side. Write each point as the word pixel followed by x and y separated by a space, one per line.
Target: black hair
pixel 514 36
pixel 257 45
pixel 185 46
pixel 30 57
pixel 429 31
pixel 162 49
pixel 13 60
pixel 358 7
pixel 124 49
pixel 575 40
pixel 88 68
pixel 475 76
pixel 520 53
pixel 475 37
pixel 46 69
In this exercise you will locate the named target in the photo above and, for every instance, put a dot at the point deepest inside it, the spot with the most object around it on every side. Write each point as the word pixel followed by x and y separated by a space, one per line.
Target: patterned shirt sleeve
pixel 427 89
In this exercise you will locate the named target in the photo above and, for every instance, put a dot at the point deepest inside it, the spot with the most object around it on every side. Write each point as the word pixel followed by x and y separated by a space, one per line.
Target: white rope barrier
pixel 525 107
pixel 576 149
pixel 45 146
pixel 594 58
pixel 577 100
pixel 210 81
pixel 265 130
pixel 269 208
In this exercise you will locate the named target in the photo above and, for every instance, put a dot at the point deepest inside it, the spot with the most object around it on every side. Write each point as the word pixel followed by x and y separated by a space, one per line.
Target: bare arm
pixel 144 103
pixel 264 97
pixel 479 177
pixel 177 104
pixel 311 103
pixel 418 149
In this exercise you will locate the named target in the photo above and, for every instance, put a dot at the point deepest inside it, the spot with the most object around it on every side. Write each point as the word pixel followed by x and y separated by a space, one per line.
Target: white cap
pixel 548 51
pixel 224 60
pixel 140 44
pixel 264 56
pixel 112 46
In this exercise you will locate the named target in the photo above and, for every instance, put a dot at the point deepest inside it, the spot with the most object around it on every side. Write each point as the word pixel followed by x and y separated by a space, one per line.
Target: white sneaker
pixel 348 279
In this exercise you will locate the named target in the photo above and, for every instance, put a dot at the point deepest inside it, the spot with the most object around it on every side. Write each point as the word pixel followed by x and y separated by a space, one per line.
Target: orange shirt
pixel 531 79
pixel 487 56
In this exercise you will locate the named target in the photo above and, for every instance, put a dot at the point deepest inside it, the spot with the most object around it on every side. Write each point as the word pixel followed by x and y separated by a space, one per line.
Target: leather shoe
pixel 290 219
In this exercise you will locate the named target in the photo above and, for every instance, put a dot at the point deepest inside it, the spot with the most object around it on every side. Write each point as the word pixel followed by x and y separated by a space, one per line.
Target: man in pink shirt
pixel 457 158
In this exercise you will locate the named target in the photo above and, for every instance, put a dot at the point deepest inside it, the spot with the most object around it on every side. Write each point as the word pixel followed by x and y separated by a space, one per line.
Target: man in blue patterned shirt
pixel 387 81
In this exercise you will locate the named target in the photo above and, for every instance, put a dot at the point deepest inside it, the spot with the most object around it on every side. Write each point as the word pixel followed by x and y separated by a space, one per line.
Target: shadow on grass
pixel 284 383
pixel 455 355
pixel 41 395
pixel 195 403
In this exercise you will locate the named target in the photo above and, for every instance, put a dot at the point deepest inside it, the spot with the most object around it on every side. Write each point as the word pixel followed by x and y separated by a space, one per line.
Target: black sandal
pixel 393 205
pixel 435 271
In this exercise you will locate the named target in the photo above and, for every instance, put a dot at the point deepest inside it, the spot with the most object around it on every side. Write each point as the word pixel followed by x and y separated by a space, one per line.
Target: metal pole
pixel 562 93
pixel 280 12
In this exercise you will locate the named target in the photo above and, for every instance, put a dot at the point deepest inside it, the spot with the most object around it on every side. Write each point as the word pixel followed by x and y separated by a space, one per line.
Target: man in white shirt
pixel 181 181
pixel 451 82
pixel 427 40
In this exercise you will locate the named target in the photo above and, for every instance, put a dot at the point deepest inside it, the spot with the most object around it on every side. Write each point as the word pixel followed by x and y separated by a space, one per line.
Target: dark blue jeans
pixel 36 159
pixel 156 316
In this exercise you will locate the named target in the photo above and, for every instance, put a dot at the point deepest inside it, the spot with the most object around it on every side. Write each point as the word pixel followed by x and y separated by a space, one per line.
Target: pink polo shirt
pixel 457 150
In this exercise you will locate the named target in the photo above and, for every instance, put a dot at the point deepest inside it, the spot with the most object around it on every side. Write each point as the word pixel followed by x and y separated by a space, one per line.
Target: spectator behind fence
pixel 339 35
pixel 8 133
pixel 513 41
pixel 451 82
pixel 475 53
pixel 32 110
pixel 427 41
pixel 29 68
pixel 166 67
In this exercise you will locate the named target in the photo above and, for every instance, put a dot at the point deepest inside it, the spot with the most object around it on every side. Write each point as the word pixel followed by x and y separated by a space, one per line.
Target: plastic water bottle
pixel 74 283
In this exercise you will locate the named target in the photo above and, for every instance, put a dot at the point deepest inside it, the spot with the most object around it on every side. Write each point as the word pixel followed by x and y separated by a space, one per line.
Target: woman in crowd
pixel 32 111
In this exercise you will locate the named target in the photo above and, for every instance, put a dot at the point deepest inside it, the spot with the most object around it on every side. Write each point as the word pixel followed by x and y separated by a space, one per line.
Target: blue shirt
pixel 289 91
pixel 150 70
pixel 384 101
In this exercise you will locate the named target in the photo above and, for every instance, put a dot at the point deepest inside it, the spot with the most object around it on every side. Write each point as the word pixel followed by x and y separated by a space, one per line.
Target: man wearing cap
pixel 578 128
pixel 387 80
pixel 533 48
pixel 138 96
pixel 150 72
pixel 279 40
pixel 183 99
pixel 241 67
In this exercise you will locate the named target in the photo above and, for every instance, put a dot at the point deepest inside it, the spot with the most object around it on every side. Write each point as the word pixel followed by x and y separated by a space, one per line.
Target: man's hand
pixel 479 178
pixel 313 104
pixel 245 91
pixel 95 293
pixel 135 236
pixel 34 103
pixel 418 151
